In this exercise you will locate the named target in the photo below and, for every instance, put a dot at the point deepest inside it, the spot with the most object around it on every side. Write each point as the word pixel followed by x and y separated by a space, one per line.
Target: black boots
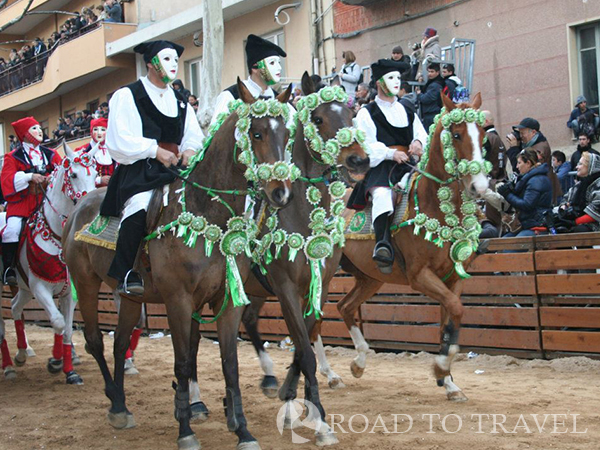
pixel 384 251
pixel 133 230
pixel 9 251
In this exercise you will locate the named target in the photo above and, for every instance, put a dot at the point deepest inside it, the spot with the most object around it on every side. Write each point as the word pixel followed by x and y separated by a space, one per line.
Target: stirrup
pixel 383 255
pixel 10 277
pixel 133 287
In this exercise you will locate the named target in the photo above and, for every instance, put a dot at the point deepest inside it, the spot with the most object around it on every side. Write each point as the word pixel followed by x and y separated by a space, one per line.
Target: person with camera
pixel 580 212
pixel 531 194
pixel 24 178
pixel 114 12
pixel 350 74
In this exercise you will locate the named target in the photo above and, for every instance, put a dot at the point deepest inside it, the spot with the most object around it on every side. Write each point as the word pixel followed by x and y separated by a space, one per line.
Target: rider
pixel 105 165
pixel 387 125
pixel 150 127
pixel 264 66
pixel 24 178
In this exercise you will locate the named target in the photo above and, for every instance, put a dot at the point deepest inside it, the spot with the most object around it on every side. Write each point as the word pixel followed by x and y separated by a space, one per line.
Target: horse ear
pixel 308 87
pixel 245 94
pixel 94 149
pixel 285 95
pixel 476 103
pixel 449 104
pixel 68 152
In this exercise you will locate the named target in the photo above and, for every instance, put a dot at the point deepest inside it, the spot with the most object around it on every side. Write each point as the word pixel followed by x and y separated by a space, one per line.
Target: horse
pixel 41 272
pixel 253 136
pixel 455 149
pixel 326 119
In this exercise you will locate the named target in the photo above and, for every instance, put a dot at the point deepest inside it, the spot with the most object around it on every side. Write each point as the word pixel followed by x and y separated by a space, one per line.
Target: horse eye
pixel 456 136
pixel 318 120
pixel 257 136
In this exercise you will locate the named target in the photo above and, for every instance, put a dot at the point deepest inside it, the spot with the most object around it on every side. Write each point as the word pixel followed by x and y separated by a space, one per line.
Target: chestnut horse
pixel 183 278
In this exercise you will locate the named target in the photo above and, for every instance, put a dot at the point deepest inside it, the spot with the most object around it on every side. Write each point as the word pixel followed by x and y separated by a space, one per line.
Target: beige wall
pixel 151 11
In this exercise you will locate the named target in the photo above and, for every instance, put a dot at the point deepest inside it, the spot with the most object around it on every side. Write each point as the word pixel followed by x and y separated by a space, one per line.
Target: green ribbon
pixel 315 291
pixel 74 293
pixel 235 284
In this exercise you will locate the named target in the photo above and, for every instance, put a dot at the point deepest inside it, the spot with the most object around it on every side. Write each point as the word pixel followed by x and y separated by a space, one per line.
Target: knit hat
pixel 579 100
pixel 594 166
pixel 429 32
pixel 23 125
pixel 398 49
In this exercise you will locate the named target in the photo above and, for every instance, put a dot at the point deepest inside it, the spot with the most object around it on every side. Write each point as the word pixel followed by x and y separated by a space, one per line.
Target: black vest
pixel 146 174
pixel 389 134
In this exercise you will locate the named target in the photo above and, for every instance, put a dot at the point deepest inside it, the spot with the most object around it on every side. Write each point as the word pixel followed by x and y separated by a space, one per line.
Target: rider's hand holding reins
pixel 38 178
pixel 415 149
pixel 400 157
pixel 185 156
pixel 166 157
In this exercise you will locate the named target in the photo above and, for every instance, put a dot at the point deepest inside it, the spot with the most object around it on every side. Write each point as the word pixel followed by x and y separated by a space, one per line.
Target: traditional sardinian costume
pixel 386 125
pixel 105 165
pixel 142 117
pixel 22 196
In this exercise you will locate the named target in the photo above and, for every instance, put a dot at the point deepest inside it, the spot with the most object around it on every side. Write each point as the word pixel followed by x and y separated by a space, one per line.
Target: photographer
pixel 530 195
pixel 580 212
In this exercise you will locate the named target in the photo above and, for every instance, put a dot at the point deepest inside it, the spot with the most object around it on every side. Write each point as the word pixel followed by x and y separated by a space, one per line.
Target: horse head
pixel 333 121
pixel 79 173
pixel 268 137
pixel 467 135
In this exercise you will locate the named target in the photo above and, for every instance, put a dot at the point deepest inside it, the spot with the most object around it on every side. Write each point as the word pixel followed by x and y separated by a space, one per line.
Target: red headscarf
pixel 22 127
pixel 102 122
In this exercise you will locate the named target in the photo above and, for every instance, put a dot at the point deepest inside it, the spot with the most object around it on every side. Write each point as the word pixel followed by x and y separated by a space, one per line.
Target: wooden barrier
pixel 542 301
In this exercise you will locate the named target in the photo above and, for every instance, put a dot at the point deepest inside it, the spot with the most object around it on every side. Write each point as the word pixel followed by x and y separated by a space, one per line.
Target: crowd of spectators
pixel 78 127
pixel 26 65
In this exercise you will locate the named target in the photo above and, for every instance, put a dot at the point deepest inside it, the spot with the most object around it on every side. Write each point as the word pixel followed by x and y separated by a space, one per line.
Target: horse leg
pixel 129 314
pixel 7 364
pixel 130 368
pixel 333 379
pixel 227 330
pixel 269 384
pixel 364 289
pixel 18 302
pixel 430 284
pixel 67 306
pixel 200 412
pixel 179 315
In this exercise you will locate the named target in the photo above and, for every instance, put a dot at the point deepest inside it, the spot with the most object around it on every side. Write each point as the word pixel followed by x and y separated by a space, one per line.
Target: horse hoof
pixel 337 383
pixel 130 368
pixel 188 443
pixel 324 439
pixel 30 352
pixel 357 371
pixel 457 397
pixel 200 412
pixel 289 425
pixel 74 378
pixel 269 386
pixel 10 373
pixel 21 357
pixel 253 445
pixel 121 421
pixel 54 365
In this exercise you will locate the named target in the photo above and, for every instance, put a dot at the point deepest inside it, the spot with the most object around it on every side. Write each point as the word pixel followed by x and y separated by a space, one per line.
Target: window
pixel 588 47
pixel 93 106
pixel 193 82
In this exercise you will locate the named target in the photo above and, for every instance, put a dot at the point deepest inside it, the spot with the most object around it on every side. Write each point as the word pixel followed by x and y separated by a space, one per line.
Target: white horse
pixel 42 273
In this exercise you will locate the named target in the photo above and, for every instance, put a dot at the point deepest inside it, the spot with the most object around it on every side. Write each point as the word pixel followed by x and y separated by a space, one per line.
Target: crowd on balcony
pixel 27 65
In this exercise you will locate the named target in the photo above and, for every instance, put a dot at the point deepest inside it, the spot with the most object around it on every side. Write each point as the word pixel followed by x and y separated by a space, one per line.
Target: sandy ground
pixel 39 411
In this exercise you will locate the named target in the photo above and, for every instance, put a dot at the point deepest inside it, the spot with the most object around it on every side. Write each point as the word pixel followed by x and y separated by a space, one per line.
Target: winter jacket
pixel 495 152
pixel 566 180
pixel 532 196
pixel 451 83
pixel 349 76
pixel 431 100
pixel 576 156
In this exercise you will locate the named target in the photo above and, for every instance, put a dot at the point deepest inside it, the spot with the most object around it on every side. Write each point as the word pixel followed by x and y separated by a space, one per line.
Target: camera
pixel 516 133
pixel 416 46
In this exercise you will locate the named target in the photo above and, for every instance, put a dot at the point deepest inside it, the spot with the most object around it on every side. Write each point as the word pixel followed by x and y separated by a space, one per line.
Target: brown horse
pixel 290 280
pixel 183 278
pixel 424 264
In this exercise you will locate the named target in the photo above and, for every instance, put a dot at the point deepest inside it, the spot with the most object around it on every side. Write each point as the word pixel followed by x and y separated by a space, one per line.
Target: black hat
pixel 383 66
pixel 151 48
pixel 528 122
pixel 258 49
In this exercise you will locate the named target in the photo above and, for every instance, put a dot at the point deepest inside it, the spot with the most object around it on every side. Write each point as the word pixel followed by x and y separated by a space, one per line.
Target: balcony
pixel 15 8
pixel 69 66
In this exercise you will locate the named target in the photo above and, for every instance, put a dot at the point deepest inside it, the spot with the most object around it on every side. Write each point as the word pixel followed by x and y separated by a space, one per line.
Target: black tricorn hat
pixel 151 48
pixel 383 66
pixel 258 49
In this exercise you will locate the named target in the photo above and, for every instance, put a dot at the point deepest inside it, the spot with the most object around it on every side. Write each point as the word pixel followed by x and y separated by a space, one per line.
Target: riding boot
pixel 384 251
pixel 9 251
pixel 133 230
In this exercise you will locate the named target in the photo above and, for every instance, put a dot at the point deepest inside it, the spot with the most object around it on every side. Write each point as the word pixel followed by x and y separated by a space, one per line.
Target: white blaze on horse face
pixel 99 134
pixel 169 60
pixel 273 66
pixel 392 83
pixel 480 181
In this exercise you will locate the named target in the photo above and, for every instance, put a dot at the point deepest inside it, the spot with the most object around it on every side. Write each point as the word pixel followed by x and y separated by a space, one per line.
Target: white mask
pixel 35 133
pixel 270 69
pixel 99 134
pixel 391 83
pixel 166 63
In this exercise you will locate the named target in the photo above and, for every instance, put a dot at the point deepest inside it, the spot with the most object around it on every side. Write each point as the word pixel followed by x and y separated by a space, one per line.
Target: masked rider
pixel 25 175
pixel 105 165
pixel 387 125
pixel 150 127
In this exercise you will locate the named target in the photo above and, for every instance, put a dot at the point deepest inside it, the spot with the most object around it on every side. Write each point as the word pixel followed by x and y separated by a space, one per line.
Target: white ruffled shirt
pixel 396 115
pixel 124 135
pixel 22 179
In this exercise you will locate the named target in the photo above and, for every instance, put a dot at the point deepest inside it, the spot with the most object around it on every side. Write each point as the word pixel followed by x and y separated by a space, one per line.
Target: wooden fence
pixel 542 301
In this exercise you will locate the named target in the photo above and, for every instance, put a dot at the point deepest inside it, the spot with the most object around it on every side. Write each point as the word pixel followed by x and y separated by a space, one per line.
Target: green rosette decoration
pixel 279 239
pixel 337 207
pixel 431 227
pixel 196 227
pixel 183 222
pixel 212 234
pixel 233 243
pixel 318 247
pixel 419 222
pixel 259 108
pixel 459 252
pixel 337 189
pixel 295 243
pixel 313 195
pixel 315 291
